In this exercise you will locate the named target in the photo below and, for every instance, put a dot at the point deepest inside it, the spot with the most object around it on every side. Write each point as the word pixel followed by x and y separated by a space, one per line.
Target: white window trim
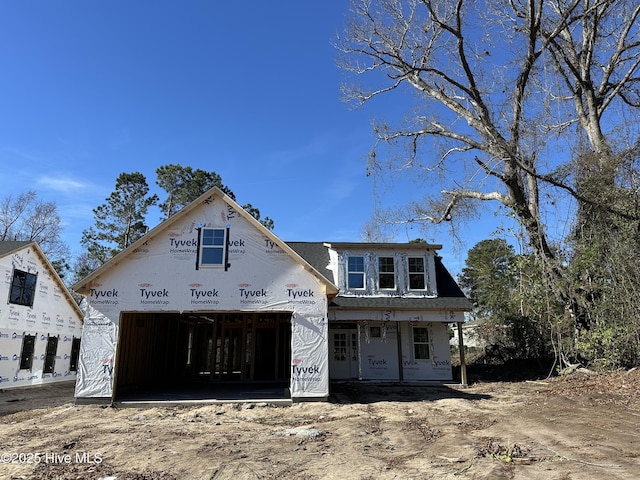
pixel 394 274
pixel 414 343
pixel 424 275
pixel 363 272
pixel 202 247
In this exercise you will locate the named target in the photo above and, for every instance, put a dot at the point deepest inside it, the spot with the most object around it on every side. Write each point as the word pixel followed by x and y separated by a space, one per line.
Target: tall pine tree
pixel 121 220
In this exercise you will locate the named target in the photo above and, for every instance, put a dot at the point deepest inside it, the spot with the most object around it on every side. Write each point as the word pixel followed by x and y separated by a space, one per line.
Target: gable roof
pixel 317 254
pixel 450 296
pixel 83 285
pixel 9 247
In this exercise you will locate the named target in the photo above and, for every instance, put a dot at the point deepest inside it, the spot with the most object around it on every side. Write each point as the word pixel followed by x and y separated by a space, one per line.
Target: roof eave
pixel 382 245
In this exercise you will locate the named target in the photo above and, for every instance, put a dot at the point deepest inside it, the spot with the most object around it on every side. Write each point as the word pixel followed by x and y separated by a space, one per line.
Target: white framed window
pixel 420 343
pixel 386 273
pixel 417 280
pixel 213 245
pixel 355 273
pixel 340 346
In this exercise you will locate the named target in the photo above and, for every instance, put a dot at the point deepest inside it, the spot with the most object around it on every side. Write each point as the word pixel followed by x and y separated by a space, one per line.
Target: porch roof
pixel 400 303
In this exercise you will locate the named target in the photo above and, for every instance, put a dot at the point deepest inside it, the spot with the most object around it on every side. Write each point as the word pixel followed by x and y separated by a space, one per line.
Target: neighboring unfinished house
pixel 40 323
pixel 210 296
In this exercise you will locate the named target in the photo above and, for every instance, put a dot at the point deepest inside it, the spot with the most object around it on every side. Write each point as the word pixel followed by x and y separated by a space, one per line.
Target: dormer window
pixel 386 273
pixel 355 273
pixel 417 271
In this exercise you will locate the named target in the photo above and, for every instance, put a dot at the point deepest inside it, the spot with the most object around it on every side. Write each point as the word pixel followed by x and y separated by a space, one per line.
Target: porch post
pixel 359 351
pixel 399 341
pixel 463 365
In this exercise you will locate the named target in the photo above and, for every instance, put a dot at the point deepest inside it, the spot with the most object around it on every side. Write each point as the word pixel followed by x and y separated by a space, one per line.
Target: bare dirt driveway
pixel 577 427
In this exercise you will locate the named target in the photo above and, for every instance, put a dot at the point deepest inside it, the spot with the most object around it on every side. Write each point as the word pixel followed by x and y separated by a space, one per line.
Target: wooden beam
pixel 463 365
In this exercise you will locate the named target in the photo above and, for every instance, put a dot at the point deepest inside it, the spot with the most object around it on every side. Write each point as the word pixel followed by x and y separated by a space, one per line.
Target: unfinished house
pixel 209 297
pixel 210 301
pixel 40 323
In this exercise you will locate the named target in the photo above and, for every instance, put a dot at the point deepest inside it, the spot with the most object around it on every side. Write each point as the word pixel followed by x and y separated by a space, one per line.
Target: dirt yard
pixel 577 427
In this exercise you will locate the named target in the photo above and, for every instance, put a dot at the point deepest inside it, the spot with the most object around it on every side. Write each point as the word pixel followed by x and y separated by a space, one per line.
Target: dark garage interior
pixel 203 355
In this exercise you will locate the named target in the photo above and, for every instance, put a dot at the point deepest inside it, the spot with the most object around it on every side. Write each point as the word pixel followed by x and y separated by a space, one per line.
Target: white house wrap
pixel 40 323
pixel 211 264
pixel 211 296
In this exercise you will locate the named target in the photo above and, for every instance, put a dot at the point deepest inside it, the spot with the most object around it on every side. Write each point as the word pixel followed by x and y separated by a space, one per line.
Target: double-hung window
pixel 386 273
pixel 23 288
pixel 213 243
pixel 420 343
pixel 416 273
pixel 355 273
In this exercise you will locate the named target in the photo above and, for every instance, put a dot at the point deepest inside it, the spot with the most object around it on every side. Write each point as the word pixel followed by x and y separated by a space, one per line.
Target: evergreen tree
pixel 184 184
pixel 508 295
pixel 487 278
pixel 121 220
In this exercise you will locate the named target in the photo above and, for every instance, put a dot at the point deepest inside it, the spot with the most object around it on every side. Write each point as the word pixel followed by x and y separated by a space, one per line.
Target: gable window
pixel 23 288
pixel 355 273
pixel 26 355
pixel 420 343
pixel 50 355
pixel 416 273
pixel 212 247
pixel 75 354
pixel 386 273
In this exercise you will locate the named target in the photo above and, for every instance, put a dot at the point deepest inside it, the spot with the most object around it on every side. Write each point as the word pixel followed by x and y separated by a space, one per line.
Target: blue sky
pixel 249 90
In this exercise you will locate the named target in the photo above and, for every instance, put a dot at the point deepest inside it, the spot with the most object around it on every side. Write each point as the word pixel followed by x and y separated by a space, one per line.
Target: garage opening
pixel 202 354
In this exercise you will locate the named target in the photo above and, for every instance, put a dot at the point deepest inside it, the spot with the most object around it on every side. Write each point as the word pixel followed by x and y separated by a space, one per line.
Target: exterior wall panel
pixel 52 314
pixel 161 275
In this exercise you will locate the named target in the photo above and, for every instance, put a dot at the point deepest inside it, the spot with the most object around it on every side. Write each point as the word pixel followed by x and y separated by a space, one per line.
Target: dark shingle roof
pixel 401 303
pixel 447 286
pixel 316 254
pixel 10 246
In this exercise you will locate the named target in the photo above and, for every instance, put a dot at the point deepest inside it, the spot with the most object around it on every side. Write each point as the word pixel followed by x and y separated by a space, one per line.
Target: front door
pixel 344 354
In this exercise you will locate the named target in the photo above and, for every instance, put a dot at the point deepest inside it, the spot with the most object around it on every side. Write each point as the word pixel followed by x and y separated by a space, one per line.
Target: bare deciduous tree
pixel 512 93
pixel 25 217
